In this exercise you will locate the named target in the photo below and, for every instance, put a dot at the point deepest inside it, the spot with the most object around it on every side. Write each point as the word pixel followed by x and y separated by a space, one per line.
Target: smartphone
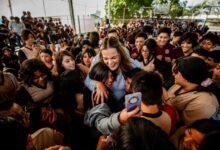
pixel 132 101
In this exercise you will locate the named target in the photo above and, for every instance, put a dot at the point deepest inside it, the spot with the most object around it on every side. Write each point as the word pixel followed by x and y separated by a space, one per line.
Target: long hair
pixel 59 59
pixel 113 42
pixel 30 66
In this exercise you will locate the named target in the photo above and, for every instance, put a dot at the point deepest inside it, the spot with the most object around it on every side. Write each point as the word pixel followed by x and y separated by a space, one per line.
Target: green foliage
pixel 141 8
pixel 132 8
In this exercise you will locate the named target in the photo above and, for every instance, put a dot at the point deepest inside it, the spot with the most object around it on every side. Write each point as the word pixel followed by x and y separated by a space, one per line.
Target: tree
pixel 131 8
pixel 173 8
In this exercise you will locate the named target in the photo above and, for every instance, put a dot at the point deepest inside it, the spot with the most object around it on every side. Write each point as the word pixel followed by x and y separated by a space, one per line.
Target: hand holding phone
pixel 132 101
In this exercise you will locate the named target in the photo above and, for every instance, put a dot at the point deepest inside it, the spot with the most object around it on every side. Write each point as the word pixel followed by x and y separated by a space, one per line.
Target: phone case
pixel 132 101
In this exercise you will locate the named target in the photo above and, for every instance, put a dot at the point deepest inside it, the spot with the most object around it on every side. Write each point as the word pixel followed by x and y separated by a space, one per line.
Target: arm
pixel 21 56
pixel 102 118
pixel 89 82
pixel 105 121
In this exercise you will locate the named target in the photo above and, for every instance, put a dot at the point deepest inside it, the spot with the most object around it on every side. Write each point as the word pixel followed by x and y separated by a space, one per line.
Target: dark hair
pixel 86 42
pixel 148 29
pixel 201 52
pixel 163 68
pixel 141 34
pixel 165 30
pixel 211 37
pixel 70 83
pixel 215 55
pixel 47 51
pixel 59 59
pixel 112 31
pixel 13 134
pixel 151 45
pixel 211 141
pixel 205 126
pixel 178 33
pixel 99 72
pixel 94 39
pixel 150 86
pixel 142 134
pixel 132 72
pixel 190 37
pixel 29 67
pixel 5 104
pixel 90 52
pixel 25 33
pixel 113 42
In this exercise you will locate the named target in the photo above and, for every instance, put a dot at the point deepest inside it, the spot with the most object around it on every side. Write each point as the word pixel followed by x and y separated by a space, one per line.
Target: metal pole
pixel 72 16
pixel 79 24
pixel 124 15
pixel 109 9
pixel 9 4
pixel 84 23
pixel 44 8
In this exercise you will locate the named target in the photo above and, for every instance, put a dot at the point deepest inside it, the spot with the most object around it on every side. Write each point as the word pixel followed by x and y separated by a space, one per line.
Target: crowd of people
pixel 62 91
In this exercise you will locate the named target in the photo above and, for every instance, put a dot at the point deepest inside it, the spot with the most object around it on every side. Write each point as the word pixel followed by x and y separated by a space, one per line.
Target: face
pixel 176 39
pixel 186 47
pixel 139 43
pixel 216 74
pixel 192 138
pixel 145 52
pixel 30 40
pixel 16 110
pixel 40 79
pixel 109 80
pixel 128 85
pixel 85 46
pixel 207 45
pixel 111 58
pixel 46 58
pixel 68 63
pixel 178 77
pixel 210 62
pixel 162 39
pixel 7 53
pixel 87 60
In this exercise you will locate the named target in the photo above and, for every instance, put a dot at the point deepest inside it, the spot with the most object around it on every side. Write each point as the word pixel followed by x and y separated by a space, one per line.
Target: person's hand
pixel 168 59
pixel 58 147
pixel 125 115
pixel 165 95
pixel 159 57
pixel 48 116
pixel 101 93
pixel 36 48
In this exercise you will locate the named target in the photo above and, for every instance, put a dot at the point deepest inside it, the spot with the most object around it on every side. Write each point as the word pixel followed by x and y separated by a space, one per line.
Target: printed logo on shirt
pixel 167 51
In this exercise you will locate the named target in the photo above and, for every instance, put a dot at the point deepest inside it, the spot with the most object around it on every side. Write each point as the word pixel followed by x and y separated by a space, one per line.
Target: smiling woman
pixel 113 55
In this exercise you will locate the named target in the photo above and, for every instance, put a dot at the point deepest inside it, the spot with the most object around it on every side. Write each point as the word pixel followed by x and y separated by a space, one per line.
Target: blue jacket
pixel 118 87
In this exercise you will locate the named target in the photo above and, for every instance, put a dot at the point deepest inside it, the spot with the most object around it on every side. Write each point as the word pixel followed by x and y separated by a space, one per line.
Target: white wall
pixel 55 8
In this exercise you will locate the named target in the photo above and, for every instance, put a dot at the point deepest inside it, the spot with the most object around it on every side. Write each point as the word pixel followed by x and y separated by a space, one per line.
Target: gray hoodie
pixel 103 119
